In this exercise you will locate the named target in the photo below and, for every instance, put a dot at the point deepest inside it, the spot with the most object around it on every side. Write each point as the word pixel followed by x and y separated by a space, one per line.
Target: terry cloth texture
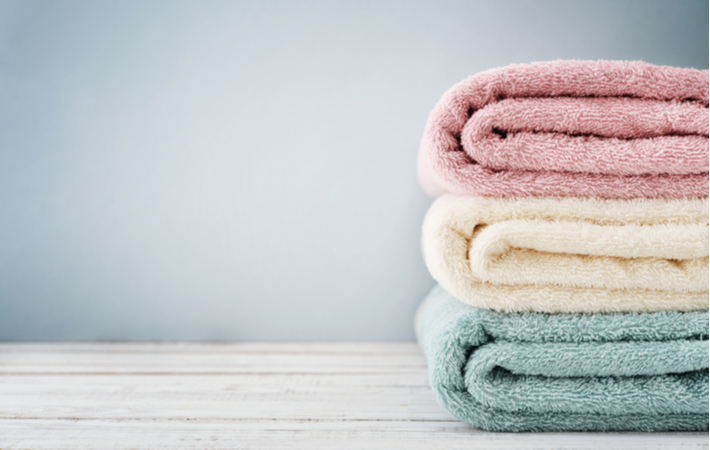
pixel 570 254
pixel 566 372
pixel 571 128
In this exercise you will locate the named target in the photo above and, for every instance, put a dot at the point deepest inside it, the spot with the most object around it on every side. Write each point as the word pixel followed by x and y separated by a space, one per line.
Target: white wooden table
pixel 248 395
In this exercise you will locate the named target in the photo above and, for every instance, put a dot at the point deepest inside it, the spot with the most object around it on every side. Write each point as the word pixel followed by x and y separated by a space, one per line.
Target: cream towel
pixel 573 254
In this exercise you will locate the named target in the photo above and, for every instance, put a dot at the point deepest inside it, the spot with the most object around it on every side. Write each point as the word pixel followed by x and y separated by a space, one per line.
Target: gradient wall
pixel 246 170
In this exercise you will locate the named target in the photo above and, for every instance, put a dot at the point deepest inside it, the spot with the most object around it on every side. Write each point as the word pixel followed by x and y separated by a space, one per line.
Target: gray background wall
pixel 246 170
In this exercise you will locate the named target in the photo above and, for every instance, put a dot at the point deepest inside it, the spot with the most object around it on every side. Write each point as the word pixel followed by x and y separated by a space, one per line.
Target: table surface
pixel 248 395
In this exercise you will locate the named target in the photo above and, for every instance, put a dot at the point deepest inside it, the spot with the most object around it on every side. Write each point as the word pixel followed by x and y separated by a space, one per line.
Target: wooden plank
pixel 357 397
pixel 416 408
pixel 212 382
pixel 368 348
pixel 83 434
pixel 204 359
pixel 253 395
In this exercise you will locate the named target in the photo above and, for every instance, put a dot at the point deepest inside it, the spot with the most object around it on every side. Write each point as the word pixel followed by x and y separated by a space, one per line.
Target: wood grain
pixel 247 395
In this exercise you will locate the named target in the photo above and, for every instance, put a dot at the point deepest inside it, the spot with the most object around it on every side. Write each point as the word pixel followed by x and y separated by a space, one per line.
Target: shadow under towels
pixel 566 372
pixel 570 254
pixel 612 129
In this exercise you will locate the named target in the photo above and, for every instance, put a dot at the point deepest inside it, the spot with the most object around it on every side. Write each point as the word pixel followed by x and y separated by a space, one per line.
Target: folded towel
pixel 570 254
pixel 566 372
pixel 572 128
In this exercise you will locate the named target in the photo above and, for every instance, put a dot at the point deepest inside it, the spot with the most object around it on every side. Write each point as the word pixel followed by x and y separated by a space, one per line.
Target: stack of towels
pixel 570 244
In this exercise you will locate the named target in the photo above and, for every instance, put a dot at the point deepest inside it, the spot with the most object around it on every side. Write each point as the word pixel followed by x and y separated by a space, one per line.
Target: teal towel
pixel 566 372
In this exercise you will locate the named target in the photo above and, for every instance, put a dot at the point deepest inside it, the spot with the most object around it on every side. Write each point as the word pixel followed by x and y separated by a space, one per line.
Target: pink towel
pixel 609 129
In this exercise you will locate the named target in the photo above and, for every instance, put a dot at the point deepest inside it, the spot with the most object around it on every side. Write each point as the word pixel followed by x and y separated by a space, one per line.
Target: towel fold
pixel 572 128
pixel 570 254
pixel 566 372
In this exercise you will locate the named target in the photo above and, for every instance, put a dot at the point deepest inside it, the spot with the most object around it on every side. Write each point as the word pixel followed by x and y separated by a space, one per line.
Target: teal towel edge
pixel 445 333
